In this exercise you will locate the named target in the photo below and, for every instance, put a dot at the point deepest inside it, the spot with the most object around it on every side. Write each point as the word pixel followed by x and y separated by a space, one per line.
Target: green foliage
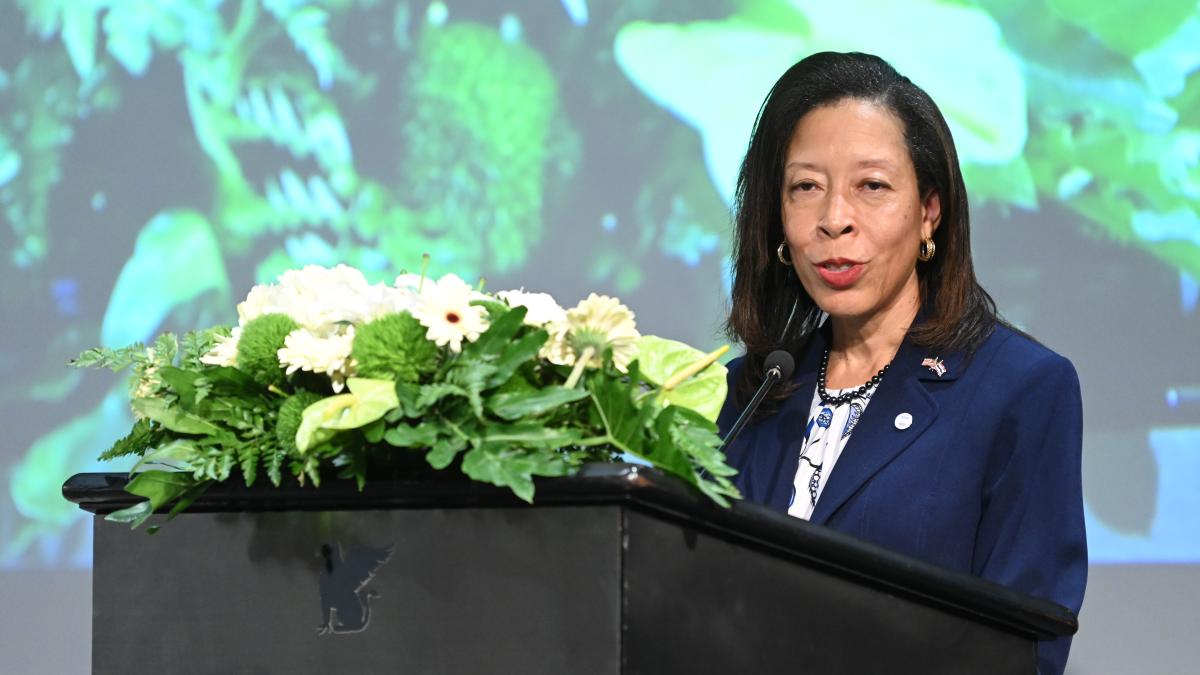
pixel 291 413
pixel 140 438
pixel 394 347
pixel 113 359
pixel 259 345
pixel 197 343
pixel 476 139
pixel 150 286
pixel 1125 25
pixel 495 407
pixel 160 488
pixel 307 25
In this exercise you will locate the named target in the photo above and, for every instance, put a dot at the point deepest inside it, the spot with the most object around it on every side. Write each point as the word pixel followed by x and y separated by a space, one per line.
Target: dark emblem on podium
pixel 345 599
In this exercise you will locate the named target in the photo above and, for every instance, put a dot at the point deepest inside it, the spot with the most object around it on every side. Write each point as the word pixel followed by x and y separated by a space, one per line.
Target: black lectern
pixel 621 569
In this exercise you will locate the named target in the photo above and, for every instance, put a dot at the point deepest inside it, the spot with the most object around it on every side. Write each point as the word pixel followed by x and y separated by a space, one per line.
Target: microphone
pixel 777 367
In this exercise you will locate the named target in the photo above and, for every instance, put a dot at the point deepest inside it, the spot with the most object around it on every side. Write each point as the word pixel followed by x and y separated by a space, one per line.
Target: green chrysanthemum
pixel 258 348
pixel 290 414
pixel 393 347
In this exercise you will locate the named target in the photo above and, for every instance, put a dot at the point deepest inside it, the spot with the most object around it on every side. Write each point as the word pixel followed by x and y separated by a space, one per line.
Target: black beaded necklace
pixel 841 399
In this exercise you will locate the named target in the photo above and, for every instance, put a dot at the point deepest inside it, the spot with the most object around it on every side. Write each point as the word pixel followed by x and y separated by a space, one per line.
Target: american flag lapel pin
pixel 935 364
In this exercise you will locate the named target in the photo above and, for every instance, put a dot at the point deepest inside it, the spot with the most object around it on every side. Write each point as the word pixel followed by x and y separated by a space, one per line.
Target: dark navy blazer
pixel 986 480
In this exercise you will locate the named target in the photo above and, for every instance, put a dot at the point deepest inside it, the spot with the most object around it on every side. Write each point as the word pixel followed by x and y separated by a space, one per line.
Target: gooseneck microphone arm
pixel 777 367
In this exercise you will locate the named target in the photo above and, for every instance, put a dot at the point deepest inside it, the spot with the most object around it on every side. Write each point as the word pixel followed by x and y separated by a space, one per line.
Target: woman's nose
pixel 838 217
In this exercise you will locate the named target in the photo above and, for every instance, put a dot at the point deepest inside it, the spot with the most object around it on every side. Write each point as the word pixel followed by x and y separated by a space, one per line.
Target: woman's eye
pixel 874 185
pixel 805 186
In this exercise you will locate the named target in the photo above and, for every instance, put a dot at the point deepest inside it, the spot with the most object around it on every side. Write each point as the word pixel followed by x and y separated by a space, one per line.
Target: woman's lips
pixel 840 274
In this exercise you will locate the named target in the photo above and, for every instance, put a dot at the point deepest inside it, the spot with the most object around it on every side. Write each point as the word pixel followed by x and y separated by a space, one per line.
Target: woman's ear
pixel 931 214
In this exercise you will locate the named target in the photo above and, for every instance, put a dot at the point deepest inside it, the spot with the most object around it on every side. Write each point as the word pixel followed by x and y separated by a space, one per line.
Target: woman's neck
pixel 863 345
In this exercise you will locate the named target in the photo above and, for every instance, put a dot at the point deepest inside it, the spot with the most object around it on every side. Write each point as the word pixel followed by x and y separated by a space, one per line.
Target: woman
pixel 916 419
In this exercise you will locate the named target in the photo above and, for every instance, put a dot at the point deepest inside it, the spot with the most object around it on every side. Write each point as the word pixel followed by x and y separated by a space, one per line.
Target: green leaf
pixel 133 515
pixel 159 488
pixel 248 457
pixel 197 343
pixel 435 392
pixel 405 436
pixel 497 337
pixel 535 402
pixel 517 354
pixel 530 435
pixel 173 418
pixel 150 284
pixel 185 500
pixel 1010 183
pixel 79 35
pixel 1125 25
pixel 183 382
pixel 696 437
pixel 373 432
pixel 10 161
pixel 178 454
pixel 408 394
pixel 664 453
pixel 617 411
pixel 127 26
pixel 141 438
pixel 513 468
pixel 444 451
pixel 113 359
pixel 273 456
pixel 166 347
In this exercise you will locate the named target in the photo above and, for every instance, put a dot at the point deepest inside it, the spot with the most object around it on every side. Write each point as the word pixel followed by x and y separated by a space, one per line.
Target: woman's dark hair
pixel 956 313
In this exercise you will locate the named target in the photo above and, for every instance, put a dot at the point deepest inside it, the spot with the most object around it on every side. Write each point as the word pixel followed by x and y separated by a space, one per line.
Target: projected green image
pixel 158 158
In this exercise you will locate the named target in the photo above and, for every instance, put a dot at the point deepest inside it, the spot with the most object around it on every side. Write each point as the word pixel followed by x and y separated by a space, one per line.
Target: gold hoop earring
pixel 779 254
pixel 928 248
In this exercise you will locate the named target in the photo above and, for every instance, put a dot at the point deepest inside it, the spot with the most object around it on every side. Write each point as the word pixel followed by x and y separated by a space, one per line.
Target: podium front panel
pixel 698 603
pixel 508 590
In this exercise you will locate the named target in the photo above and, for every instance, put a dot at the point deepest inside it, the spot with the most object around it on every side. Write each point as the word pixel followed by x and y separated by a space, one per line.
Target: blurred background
pixel 157 158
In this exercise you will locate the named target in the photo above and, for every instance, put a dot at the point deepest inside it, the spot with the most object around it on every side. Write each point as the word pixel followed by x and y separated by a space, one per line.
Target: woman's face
pixel 852 215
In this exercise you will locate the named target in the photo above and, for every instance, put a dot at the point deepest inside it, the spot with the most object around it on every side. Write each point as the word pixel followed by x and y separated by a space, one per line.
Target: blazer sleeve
pixel 1031 534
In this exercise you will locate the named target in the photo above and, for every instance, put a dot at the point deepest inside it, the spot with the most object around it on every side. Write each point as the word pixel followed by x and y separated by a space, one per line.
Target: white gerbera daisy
pixel 594 325
pixel 444 308
pixel 540 308
pixel 329 354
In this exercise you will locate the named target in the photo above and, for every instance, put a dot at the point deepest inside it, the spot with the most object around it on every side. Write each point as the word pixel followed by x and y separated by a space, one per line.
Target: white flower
pixel 541 309
pixel 318 298
pixel 599 322
pixel 329 354
pixel 409 281
pixel 225 352
pixel 444 308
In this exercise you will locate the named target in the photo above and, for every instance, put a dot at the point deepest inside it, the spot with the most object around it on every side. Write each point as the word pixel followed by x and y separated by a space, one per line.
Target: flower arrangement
pixel 326 372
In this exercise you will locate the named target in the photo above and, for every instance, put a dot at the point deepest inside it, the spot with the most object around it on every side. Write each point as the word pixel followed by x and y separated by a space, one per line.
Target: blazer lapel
pixel 878 438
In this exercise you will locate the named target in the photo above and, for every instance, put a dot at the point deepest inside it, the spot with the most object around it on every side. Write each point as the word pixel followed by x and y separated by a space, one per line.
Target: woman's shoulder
pixel 1020 356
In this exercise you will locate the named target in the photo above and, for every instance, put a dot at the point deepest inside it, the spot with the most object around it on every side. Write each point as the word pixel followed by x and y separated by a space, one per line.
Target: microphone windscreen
pixel 781 360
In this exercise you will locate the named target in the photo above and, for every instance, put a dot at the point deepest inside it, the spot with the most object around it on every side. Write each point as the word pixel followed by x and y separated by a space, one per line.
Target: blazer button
pixel 903 421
